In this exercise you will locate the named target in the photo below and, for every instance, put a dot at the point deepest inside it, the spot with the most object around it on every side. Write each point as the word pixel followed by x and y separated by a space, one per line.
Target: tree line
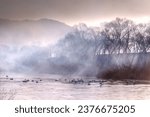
pixel 115 37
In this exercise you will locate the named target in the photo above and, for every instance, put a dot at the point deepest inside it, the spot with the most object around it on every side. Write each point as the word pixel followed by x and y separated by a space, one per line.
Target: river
pixel 61 88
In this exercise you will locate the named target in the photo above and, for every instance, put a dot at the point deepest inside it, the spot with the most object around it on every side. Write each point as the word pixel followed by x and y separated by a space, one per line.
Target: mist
pixel 83 50
pixel 72 54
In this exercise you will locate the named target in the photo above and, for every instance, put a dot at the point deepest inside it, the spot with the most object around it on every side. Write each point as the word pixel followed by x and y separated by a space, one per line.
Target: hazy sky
pixel 74 11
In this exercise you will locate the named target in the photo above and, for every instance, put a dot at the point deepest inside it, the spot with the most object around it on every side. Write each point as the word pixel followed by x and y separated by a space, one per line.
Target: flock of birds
pixel 25 80
pixel 80 81
pixel 72 81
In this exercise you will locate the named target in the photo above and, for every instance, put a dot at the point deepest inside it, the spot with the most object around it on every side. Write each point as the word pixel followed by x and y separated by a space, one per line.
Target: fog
pixel 72 54
pixel 67 56
pixel 82 51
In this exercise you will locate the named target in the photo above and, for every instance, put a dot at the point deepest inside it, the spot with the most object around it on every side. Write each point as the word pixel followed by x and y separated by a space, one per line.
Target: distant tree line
pixel 115 37
pixel 124 36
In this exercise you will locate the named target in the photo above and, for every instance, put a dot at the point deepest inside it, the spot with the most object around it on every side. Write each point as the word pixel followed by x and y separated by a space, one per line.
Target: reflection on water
pixel 47 89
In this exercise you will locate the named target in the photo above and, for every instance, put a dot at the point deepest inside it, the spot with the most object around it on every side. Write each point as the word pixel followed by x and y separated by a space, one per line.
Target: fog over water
pixel 79 50
pixel 44 47
pixel 25 46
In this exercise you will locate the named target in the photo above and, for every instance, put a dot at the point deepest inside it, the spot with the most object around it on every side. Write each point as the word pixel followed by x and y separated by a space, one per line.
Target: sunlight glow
pixel 142 20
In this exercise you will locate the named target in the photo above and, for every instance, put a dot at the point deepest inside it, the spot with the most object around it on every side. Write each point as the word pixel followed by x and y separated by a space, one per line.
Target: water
pixel 50 88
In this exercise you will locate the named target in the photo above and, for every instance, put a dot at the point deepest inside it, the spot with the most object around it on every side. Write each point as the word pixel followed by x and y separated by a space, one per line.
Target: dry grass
pixel 133 72
pixel 7 95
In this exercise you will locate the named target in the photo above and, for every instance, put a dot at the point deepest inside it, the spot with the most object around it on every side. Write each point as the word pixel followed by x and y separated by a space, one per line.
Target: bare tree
pixel 116 36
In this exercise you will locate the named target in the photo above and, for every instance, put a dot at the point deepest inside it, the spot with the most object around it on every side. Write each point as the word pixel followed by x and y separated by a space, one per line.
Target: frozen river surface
pixel 50 88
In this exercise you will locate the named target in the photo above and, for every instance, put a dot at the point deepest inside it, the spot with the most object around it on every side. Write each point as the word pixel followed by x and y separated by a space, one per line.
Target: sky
pixel 71 12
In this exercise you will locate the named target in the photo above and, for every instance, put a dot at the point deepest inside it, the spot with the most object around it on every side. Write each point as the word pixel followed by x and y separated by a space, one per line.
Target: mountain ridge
pixel 32 31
